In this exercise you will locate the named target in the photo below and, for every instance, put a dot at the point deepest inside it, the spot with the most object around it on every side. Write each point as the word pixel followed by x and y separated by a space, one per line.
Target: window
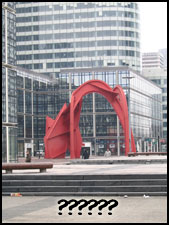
pixel 27 83
pixel 28 102
pixel 164 124
pixel 164 107
pixel 38 66
pixel 164 90
pixel 164 98
pixel 28 126
pixel 164 115
pixel 20 126
pixel 157 81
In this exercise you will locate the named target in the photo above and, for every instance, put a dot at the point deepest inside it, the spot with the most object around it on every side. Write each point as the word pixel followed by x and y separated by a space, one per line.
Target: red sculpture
pixel 63 133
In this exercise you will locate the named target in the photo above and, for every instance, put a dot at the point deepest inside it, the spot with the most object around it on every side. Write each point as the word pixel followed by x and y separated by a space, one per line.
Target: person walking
pixel 107 153
pixel 85 154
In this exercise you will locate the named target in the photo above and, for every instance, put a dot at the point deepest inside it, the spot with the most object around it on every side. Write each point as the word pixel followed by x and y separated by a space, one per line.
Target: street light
pixel 129 78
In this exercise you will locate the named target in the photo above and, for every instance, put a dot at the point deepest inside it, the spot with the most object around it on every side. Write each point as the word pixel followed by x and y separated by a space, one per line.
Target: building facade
pixel 152 60
pixel 159 76
pixel 99 125
pixel 56 35
pixel 163 51
pixel 38 95
pixel 9 98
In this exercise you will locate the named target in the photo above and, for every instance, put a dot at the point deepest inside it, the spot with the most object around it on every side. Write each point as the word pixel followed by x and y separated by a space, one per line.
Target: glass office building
pixel 39 96
pixel 9 99
pixel 99 123
pixel 56 35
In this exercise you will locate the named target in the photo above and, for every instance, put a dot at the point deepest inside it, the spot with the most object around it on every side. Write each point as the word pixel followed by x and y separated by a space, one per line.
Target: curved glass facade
pixel 58 35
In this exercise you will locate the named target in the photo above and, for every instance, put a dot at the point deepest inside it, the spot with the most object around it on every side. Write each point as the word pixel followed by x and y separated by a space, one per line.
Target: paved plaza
pixel 45 210
pixel 141 209
pixel 63 166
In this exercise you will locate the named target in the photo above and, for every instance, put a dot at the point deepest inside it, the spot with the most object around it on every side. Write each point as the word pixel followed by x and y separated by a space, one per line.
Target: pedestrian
pixel 85 154
pixel 88 153
pixel 28 156
pixel 107 153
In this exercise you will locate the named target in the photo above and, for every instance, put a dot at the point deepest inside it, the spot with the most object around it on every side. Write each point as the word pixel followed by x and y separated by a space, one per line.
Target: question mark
pixel 72 206
pixel 102 206
pixel 62 206
pixel 112 206
pixel 92 206
pixel 83 205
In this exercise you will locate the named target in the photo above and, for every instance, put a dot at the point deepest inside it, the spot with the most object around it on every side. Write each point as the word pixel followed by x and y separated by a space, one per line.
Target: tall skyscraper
pixel 9 107
pixel 56 35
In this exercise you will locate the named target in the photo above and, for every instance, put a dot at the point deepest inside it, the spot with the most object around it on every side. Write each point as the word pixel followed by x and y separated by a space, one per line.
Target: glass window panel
pixel 28 126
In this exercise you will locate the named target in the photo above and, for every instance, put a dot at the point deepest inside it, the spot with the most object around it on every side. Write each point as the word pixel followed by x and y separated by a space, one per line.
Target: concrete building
pixel 9 98
pixel 152 60
pixel 159 76
pixel 56 35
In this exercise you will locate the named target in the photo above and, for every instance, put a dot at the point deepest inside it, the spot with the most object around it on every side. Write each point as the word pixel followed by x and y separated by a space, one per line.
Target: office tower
pixel 152 60
pixel 9 107
pixel 56 35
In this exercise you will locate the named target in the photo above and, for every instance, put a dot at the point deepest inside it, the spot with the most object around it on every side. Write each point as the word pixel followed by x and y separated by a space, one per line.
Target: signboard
pixel 162 140
pixel 148 139
pixel 86 144
pixel 112 146
pixel 28 145
pixel 101 146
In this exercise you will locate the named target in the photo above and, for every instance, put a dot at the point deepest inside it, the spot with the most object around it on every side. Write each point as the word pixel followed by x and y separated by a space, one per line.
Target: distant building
pixel 164 53
pixel 152 60
pixel 159 76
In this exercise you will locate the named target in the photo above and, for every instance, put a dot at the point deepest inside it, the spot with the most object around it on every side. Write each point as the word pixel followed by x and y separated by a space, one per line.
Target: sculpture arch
pixel 63 132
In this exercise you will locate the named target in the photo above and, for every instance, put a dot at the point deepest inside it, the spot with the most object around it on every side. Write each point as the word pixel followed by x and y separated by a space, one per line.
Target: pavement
pixel 152 209
pixel 46 209
pixel 63 166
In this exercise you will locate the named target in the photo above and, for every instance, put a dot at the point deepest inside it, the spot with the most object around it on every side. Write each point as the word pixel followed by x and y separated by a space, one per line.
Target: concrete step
pixel 150 188
pixel 84 182
pixel 116 161
pixel 128 194
pixel 76 185
pixel 82 177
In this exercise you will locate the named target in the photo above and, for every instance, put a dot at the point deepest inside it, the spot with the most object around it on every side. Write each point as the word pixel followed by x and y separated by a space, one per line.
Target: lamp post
pixel 129 78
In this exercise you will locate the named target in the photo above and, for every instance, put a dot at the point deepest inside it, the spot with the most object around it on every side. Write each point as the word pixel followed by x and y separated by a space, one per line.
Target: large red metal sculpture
pixel 63 133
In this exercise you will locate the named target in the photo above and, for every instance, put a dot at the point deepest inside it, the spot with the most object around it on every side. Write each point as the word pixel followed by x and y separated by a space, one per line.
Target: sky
pixel 153 26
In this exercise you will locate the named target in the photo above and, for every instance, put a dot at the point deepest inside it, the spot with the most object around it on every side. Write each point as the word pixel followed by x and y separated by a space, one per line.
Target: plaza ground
pixel 152 209
pixel 63 166
pixel 45 210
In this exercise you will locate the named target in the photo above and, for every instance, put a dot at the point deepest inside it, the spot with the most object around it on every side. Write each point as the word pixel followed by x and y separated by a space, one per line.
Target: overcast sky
pixel 153 26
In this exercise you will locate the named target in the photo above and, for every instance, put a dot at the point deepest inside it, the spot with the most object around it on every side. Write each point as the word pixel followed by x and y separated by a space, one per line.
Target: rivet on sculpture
pixel 63 133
